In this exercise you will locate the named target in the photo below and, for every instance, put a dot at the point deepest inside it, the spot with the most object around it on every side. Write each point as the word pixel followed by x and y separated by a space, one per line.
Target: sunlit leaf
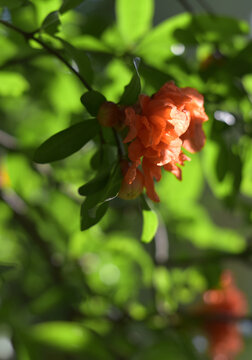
pixel 156 45
pixel 150 224
pixel 90 43
pixel 133 18
pixel 210 28
pixel 12 84
pixel 70 337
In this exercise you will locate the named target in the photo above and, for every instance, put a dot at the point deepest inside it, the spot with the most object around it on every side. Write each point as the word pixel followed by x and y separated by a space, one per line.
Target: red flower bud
pixel 109 114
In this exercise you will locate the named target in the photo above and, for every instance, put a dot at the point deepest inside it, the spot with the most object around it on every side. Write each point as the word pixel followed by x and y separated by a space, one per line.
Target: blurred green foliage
pixel 102 293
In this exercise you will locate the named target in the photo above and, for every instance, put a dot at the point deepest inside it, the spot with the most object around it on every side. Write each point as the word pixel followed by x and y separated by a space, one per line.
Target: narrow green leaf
pixel 51 23
pixel 69 4
pixel 133 89
pixel 91 216
pixel 92 100
pixel 94 185
pixel 62 335
pixel 66 142
pixel 96 205
pixel 150 225
pixel 134 18
pixel 104 158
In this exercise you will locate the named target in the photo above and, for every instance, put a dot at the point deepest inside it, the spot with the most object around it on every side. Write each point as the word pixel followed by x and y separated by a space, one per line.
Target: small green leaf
pixel 92 100
pixel 94 185
pixel 96 205
pixel 133 89
pixel 62 335
pixel 66 142
pixel 92 215
pixel 69 4
pixel 104 158
pixel 150 225
pixel 51 23
pixel 134 18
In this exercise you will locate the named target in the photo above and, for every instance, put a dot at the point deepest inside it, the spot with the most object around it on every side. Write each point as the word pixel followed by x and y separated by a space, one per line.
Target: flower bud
pixel 133 190
pixel 109 114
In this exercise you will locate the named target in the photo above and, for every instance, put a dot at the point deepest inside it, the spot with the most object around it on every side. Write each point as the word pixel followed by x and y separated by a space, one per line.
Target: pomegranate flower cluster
pixel 159 126
pixel 222 306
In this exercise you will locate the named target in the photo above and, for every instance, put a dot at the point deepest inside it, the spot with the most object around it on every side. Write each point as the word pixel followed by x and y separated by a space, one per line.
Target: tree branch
pixel 31 36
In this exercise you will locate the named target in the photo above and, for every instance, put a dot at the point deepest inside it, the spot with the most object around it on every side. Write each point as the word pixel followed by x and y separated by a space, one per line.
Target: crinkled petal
pixel 174 169
pixel 135 150
pixel 130 120
pixel 194 138
pixel 149 173
pixel 180 120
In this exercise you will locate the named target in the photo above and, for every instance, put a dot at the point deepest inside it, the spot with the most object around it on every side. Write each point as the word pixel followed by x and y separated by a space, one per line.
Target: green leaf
pixel 209 28
pixel 92 100
pixel 134 18
pixel 62 335
pixel 66 142
pixel 91 43
pixel 155 47
pixel 150 225
pixel 94 185
pixel 96 205
pixel 81 59
pixel 105 157
pixel 69 4
pixel 12 84
pixel 133 89
pixel 150 221
pixel 92 215
pixel 51 23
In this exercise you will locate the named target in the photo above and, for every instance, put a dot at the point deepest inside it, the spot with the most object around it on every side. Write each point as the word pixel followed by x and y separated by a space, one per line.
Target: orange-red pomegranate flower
pixel 158 129
pixel 222 306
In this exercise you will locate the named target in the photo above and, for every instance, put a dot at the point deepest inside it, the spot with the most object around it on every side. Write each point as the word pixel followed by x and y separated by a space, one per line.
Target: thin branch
pixel 204 4
pixel 119 143
pixel 56 54
pixel 31 36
